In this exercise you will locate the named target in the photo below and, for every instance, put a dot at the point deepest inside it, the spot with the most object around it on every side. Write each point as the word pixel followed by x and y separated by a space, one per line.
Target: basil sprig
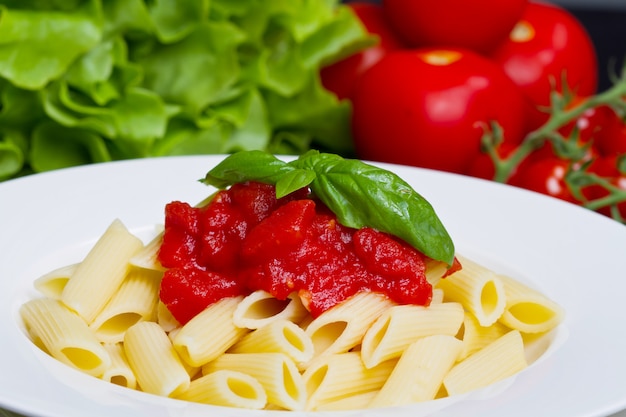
pixel 359 194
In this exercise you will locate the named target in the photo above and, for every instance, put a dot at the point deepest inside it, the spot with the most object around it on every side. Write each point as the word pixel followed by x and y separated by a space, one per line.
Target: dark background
pixel 607 28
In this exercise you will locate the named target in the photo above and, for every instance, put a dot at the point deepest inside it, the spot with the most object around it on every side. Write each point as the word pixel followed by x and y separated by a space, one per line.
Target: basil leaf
pixel 360 195
pixel 363 195
pixel 247 166
pixel 294 180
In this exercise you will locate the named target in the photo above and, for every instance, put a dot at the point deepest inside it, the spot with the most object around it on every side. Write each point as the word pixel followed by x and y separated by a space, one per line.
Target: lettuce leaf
pixel 84 81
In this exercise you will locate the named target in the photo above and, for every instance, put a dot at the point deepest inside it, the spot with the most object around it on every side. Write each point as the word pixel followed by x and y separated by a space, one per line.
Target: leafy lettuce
pixel 85 81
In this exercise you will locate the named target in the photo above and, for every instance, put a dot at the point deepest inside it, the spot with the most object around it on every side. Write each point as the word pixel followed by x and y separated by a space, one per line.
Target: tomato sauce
pixel 246 239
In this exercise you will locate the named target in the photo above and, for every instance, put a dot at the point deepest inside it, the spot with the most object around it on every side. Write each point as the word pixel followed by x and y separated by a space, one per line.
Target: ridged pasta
pixel 529 310
pixel 478 289
pixel 99 275
pixel 401 325
pixel 496 361
pixel 65 335
pixel 210 333
pixel 342 327
pixel 419 372
pixel 276 372
pixel 280 336
pixel 226 388
pixel 154 361
pixel 335 377
pixel 261 308
pixel 135 300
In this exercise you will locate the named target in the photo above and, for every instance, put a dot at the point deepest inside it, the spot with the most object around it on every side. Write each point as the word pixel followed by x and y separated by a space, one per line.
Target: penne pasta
pixel 154 361
pixel 261 308
pixel 528 310
pixel 401 325
pixel 119 371
pixel 135 300
pixel 342 327
pixel 65 335
pixel 276 372
pixel 165 318
pixel 102 271
pixel 52 284
pixel 210 333
pixel 226 388
pixel 478 289
pixel 147 257
pixel 419 372
pixel 335 377
pixel 496 361
pixel 353 402
pixel 476 337
pixel 281 336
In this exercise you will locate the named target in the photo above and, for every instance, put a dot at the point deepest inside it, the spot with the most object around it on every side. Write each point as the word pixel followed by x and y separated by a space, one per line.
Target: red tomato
pixel 611 140
pixel 479 25
pixel 546 45
pixel 547 176
pixel 339 77
pixel 428 107
pixel 591 124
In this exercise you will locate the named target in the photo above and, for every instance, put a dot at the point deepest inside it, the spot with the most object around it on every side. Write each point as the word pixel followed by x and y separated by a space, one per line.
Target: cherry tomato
pixel 547 45
pixel 479 25
pixel 611 140
pixel 591 124
pixel 547 176
pixel 428 107
pixel 340 76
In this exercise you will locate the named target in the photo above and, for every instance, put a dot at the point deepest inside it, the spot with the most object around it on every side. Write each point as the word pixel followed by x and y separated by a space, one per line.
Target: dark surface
pixel 607 29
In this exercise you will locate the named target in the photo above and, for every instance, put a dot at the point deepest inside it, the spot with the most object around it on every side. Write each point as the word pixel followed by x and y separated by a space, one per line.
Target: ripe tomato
pixel 428 107
pixel 479 25
pixel 611 140
pixel 340 76
pixel 547 45
pixel 547 176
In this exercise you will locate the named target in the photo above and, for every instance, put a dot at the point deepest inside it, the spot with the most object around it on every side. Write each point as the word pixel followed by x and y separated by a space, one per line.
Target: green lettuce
pixel 84 81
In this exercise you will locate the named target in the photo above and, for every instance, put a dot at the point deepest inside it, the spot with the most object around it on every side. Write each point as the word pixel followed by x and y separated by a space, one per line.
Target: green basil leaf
pixel 247 166
pixel 363 195
pixel 294 180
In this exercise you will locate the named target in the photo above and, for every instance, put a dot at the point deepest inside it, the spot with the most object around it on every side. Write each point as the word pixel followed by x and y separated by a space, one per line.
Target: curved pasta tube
pixel 226 388
pixel 529 310
pixel 399 326
pixel 336 377
pixel 101 272
pixel 478 289
pixel 496 361
pixel 261 308
pixel 65 335
pixel 52 283
pixel 135 300
pixel 154 361
pixel 119 372
pixel 210 333
pixel 276 372
pixel 419 372
pixel 342 327
pixel 281 336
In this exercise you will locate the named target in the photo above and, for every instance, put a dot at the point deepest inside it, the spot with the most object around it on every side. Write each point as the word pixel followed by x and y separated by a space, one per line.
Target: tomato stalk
pixel 562 113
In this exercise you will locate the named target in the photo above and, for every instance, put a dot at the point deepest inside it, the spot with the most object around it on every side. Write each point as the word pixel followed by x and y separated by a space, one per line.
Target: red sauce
pixel 246 240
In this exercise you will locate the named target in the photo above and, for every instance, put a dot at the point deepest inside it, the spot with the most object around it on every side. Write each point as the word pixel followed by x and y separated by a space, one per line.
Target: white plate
pixel 573 255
